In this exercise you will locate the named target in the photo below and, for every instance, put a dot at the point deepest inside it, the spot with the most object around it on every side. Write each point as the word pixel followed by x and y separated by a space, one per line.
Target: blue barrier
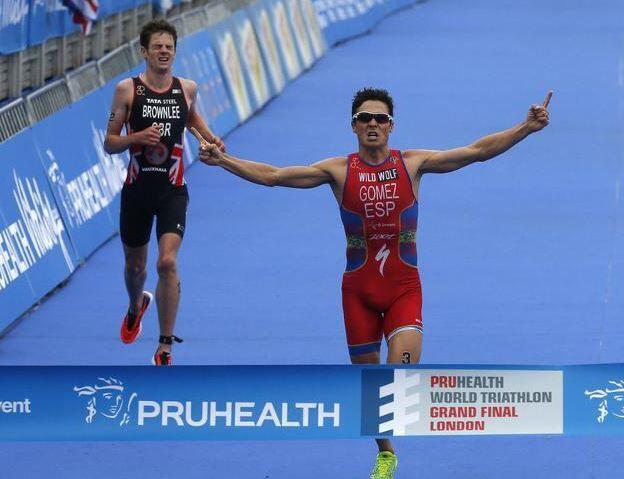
pixel 285 39
pixel 84 180
pixel 251 58
pixel 300 33
pixel 317 37
pixel 307 402
pixel 224 44
pixel 36 253
pixel 48 20
pixel 13 25
pixel 345 19
pixel 258 13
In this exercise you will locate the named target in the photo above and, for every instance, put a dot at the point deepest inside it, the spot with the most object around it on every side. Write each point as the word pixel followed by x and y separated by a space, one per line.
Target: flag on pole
pixel 84 12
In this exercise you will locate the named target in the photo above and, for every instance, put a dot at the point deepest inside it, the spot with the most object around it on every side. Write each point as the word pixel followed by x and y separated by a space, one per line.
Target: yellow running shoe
pixel 385 465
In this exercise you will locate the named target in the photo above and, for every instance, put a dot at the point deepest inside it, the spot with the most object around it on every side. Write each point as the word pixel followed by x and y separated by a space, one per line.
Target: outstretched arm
pixel 262 173
pixel 487 147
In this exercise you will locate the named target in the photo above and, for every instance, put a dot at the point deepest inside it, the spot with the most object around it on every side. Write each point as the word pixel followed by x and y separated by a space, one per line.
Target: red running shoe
pixel 161 358
pixel 131 326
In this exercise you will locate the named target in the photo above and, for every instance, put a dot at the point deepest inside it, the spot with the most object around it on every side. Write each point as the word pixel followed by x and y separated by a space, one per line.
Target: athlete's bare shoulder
pixel 190 91
pixel 123 95
pixel 189 86
pixel 334 166
pixel 124 87
pixel 414 160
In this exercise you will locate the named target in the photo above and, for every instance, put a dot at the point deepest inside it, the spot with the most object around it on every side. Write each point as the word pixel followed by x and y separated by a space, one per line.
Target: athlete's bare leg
pixel 134 275
pixel 168 288
pixel 403 348
pixel 373 358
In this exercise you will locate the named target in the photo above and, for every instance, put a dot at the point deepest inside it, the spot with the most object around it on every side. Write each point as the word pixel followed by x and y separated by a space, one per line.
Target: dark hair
pixel 157 26
pixel 372 94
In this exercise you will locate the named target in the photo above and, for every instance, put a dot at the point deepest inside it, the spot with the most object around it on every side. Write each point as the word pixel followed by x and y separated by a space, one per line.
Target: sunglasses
pixel 366 117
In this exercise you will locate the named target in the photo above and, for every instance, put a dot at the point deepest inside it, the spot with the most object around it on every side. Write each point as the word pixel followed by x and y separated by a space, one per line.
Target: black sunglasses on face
pixel 366 117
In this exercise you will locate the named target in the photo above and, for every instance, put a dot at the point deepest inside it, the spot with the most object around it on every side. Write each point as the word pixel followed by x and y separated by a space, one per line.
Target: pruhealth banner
pixel 84 180
pixel 36 253
pixel 98 403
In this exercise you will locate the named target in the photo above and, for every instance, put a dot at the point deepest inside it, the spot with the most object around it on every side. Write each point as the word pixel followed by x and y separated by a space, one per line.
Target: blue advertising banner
pixel 13 25
pixel 196 60
pixel 285 39
pixel 35 250
pixel 600 392
pixel 251 58
pixel 343 19
pixel 98 403
pixel 317 37
pixel 300 32
pixel 49 19
pixel 224 44
pixel 258 13
pixel 83 178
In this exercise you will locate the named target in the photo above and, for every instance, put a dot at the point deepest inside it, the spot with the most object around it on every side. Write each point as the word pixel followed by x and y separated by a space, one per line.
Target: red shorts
pixel 382 307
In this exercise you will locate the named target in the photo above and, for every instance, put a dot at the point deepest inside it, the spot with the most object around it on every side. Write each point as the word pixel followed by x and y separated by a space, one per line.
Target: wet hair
pixel 372 94
pixel 157 26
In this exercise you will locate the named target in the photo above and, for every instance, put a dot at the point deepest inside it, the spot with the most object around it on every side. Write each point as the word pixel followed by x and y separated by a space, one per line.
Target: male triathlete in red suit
pixel 377 190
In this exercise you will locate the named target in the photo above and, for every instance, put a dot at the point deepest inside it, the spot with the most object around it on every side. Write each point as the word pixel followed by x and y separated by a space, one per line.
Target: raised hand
pixel 209 153
pixel 538 116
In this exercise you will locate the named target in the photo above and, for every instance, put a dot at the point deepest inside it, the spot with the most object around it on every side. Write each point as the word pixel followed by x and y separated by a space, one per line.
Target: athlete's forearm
pixel 197 122
pixel 259 173
pixel 493 145
pixel 117 143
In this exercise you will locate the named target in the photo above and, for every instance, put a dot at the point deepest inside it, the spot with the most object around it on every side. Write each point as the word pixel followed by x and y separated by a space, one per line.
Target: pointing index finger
pixel 197 135
pixel 547 100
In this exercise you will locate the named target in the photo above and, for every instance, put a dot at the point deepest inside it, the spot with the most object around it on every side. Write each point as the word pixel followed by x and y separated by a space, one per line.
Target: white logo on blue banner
pixel 611 400
pixel 106 398
pixel 39 230
pixel 404 404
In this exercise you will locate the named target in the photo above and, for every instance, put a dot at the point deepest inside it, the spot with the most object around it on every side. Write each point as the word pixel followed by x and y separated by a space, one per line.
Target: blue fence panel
pixel 196 60
pixel 300 33
pixel 251 58
pixel 224 43
pixel 36 253
pixel 49 20
pixel 259 15
pixel 13 25
pixel 317 37
pixel 341 20
pixel 84 179
pixel 285 38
